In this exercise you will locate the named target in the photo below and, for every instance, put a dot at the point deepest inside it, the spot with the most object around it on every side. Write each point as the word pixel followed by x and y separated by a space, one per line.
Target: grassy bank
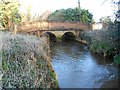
pixel 25 62
pixel 104 42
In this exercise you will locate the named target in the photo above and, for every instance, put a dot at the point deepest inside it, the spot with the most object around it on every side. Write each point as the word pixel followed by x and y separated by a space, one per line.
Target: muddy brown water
pixel 76 67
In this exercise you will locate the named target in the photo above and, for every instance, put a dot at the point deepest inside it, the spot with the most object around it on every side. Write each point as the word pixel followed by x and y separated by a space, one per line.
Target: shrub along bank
pixel 26 62
pixel 105 42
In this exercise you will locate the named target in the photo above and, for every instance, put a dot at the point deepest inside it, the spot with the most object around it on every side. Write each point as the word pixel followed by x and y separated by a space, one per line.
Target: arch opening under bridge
pixel 53 37
pixel 68 36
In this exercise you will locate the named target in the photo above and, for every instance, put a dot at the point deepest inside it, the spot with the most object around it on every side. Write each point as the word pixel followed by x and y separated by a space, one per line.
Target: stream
pixel 76 67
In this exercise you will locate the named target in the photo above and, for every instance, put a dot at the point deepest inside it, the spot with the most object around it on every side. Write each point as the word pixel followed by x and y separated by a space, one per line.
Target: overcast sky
pixel 94 6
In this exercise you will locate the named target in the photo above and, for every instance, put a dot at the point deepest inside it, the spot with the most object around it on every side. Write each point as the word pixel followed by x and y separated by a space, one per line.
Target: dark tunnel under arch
pixel 52 36
pixel 67 36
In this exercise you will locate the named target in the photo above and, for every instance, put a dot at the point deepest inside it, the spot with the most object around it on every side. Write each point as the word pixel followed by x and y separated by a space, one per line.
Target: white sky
pixel 94 6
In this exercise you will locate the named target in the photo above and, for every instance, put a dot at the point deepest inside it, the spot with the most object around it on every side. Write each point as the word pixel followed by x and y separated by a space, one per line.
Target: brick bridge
pixel 53 27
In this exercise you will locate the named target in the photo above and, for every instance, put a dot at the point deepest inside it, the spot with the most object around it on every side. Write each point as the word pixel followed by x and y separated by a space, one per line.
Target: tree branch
pixel 103 2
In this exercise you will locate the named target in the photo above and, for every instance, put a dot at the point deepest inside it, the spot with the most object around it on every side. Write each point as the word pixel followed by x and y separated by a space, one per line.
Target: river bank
pixel 25 62
pixel 104 42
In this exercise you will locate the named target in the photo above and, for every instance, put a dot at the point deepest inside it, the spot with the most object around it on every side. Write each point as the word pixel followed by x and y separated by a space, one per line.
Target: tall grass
pixel 26 62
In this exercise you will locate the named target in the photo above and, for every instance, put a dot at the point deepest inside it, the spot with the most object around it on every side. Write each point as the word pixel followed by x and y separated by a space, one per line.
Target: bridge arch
pixel 52 37
pixel 68 36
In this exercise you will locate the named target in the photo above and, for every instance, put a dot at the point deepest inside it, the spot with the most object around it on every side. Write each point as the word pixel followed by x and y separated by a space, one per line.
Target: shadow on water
pixel 76 67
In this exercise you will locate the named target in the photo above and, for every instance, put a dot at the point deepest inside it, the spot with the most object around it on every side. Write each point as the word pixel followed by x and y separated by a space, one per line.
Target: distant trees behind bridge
pixel 70 14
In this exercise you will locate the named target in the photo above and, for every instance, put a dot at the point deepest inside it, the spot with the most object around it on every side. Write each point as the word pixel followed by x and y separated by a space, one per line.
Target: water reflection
pixel 76 67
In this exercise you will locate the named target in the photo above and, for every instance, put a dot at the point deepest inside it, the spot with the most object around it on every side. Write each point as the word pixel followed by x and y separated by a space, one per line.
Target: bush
pixel 117 59
pixel 26 62
pixel 104 41
pixel 100 47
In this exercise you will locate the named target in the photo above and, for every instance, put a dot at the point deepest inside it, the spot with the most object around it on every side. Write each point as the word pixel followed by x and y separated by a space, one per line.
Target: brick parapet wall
pixel 45 25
